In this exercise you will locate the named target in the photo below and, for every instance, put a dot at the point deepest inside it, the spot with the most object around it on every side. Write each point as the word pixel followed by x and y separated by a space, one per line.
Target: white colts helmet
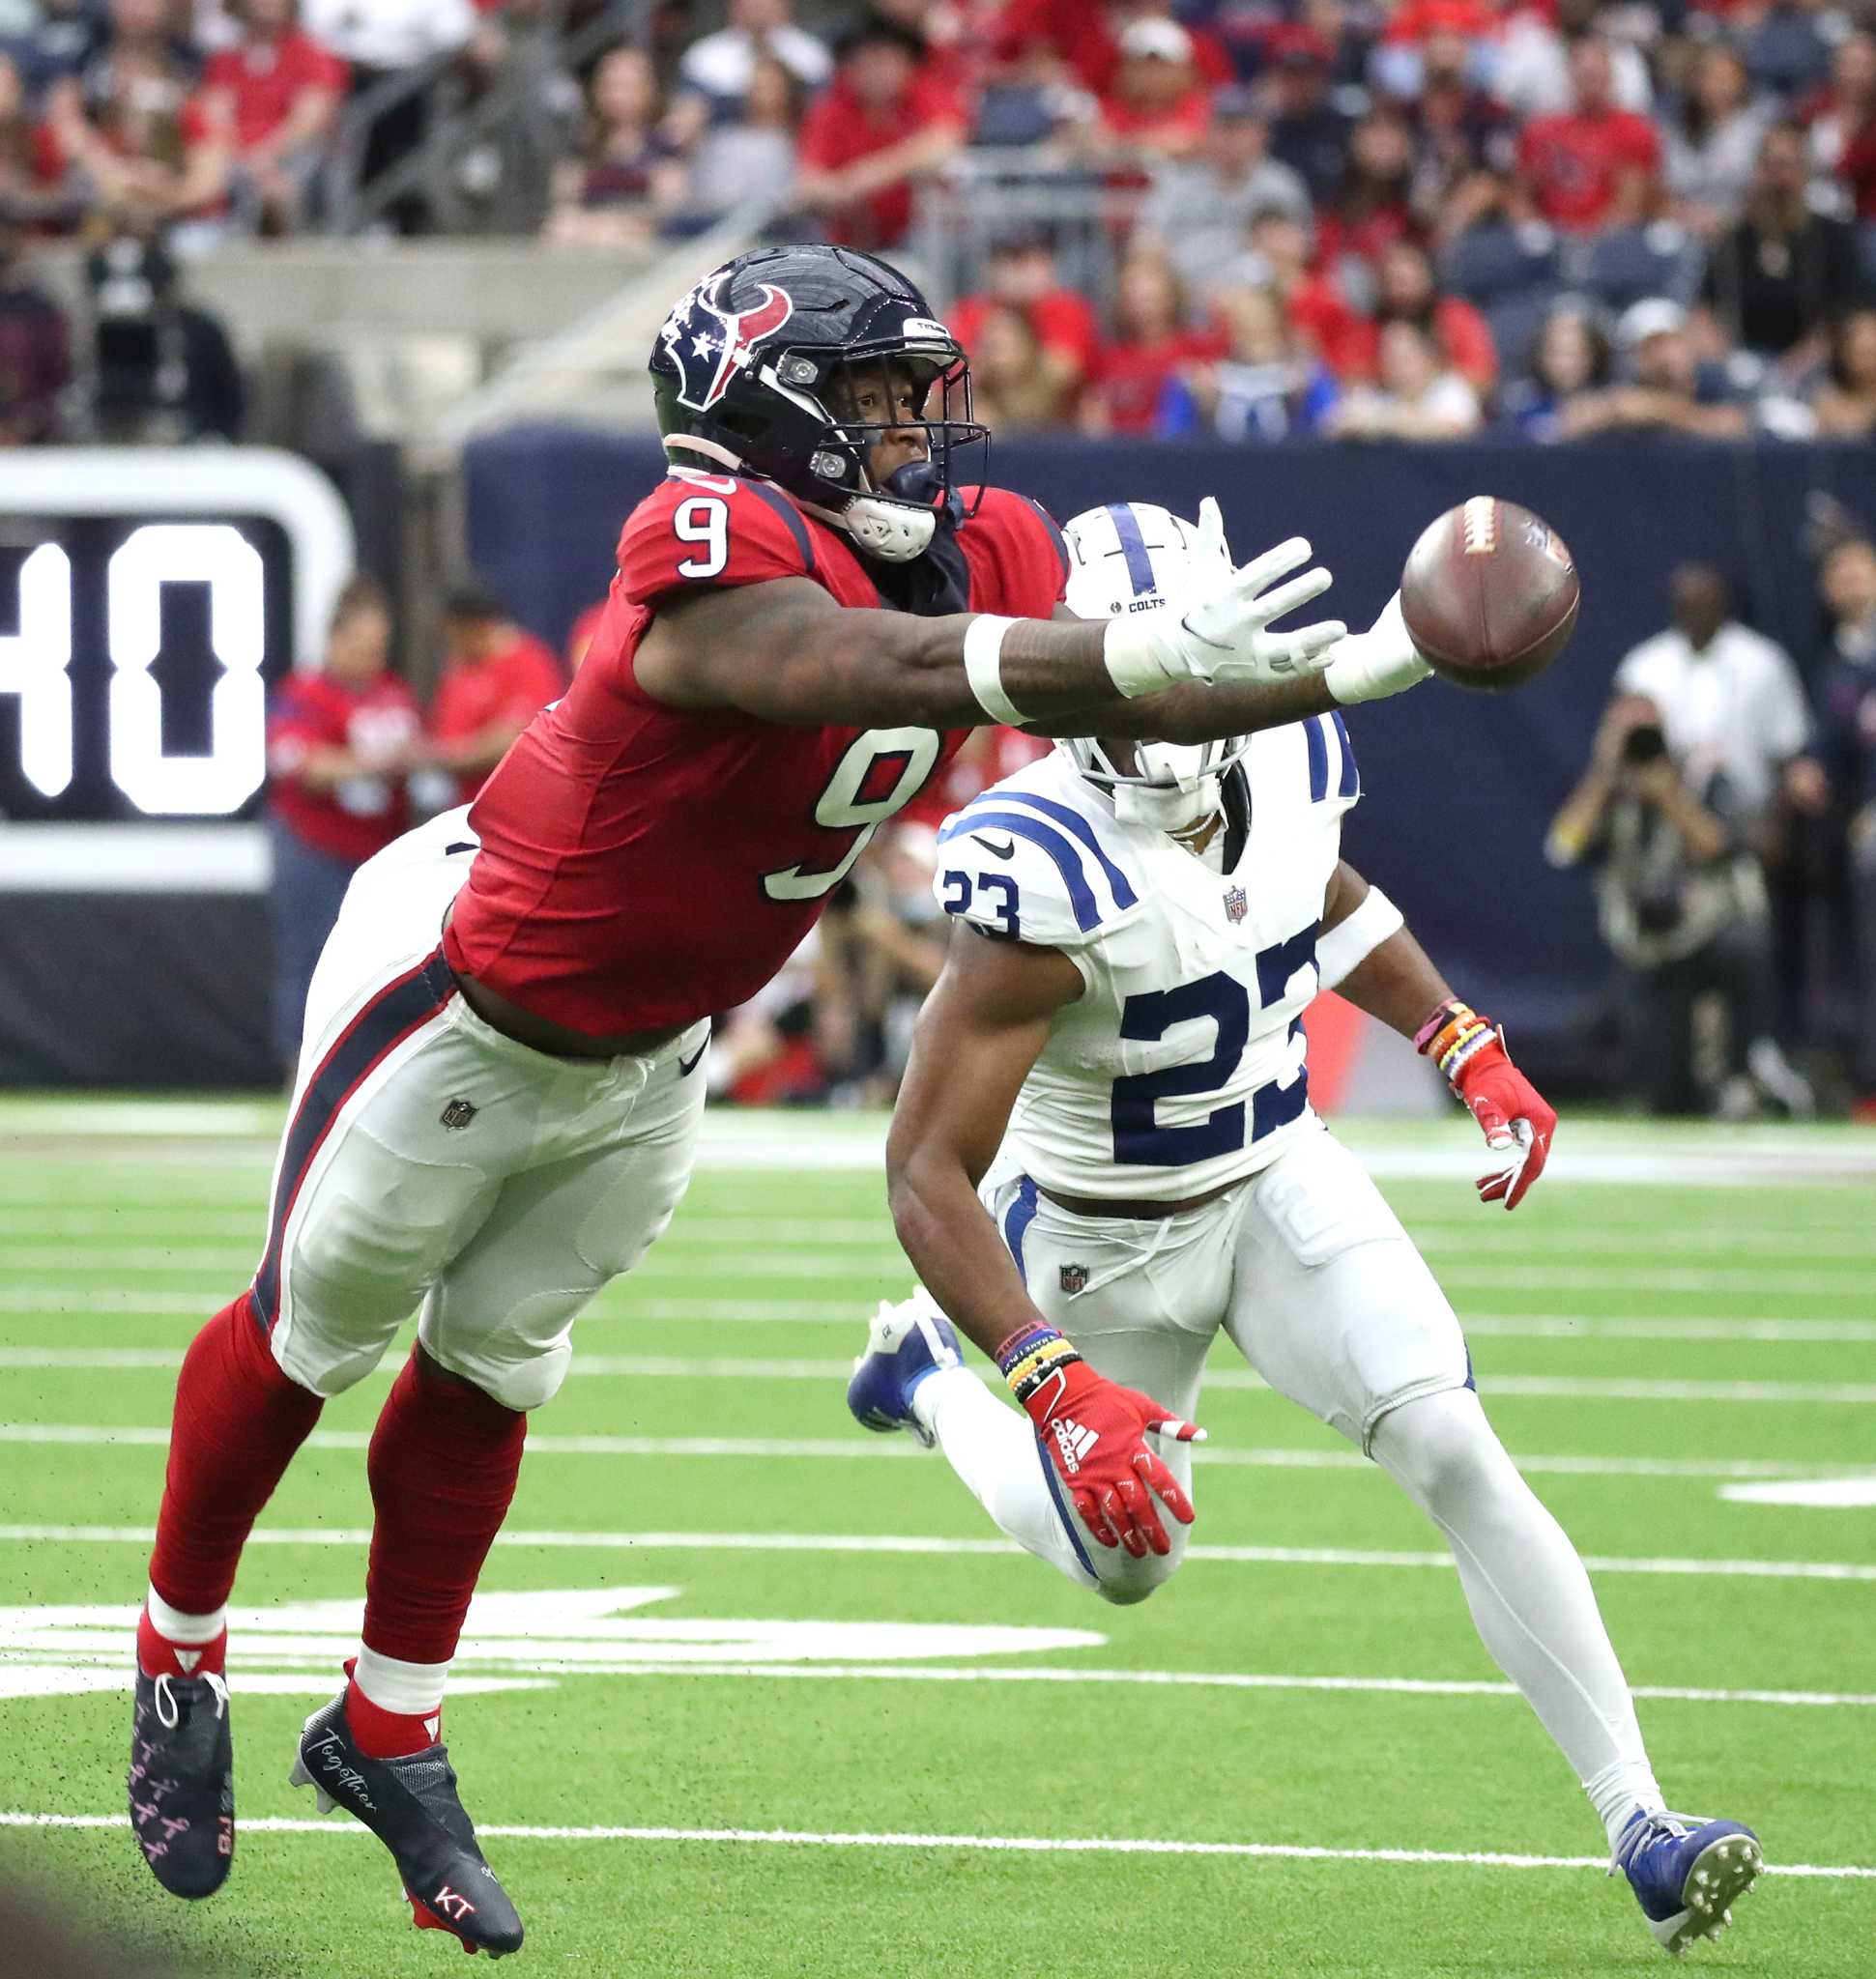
pixel 1125 557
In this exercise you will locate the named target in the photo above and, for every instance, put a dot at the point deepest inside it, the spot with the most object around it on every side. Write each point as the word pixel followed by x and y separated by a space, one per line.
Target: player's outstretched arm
pixel 977 1038
pixel 1360 666
pixel 784 650
pixel 1366 953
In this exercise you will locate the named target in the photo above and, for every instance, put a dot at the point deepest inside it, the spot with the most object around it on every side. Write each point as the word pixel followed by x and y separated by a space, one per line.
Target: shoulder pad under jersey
pixel 1026 866
pixel 701 532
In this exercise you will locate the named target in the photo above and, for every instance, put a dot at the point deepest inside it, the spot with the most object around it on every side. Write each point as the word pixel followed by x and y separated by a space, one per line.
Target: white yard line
pixel 546 1443
pixel 923 1543
pixel 1017 1845
pixel 113 1230
pixel 251 1670
pixel 664 1366
pixel 674 1262
pixel 620 1303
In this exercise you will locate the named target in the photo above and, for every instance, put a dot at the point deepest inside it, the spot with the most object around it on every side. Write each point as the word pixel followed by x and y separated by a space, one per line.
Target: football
pixel 1489 594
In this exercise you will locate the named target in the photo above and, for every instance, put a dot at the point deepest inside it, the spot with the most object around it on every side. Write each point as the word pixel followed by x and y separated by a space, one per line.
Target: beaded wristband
pixel 1030 1356
pixel 1452 1036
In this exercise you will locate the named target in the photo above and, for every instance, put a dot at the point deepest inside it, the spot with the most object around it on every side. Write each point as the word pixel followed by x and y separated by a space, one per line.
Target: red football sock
pixel 158 1656
pixel 443 1464
pixel 382 1733
pixel 236 1423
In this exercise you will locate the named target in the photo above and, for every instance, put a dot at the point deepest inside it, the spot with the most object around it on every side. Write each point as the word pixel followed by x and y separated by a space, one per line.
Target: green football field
pixel 751 1692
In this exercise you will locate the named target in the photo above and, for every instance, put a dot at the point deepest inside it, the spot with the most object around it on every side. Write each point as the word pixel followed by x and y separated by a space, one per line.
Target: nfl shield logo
pixel 1236 906
pixel 1074 1278
pixel 458 1114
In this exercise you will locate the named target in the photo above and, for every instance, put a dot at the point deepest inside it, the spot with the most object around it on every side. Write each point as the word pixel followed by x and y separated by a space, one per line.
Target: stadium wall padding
pixel 1459 786
pixel 154 990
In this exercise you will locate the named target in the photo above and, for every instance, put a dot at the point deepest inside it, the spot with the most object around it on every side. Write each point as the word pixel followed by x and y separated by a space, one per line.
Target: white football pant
pixel 432 1163
pixel 1320 1288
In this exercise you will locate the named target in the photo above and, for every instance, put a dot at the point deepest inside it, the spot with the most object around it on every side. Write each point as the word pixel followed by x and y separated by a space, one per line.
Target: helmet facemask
pixel 1173 787
pixel 893 519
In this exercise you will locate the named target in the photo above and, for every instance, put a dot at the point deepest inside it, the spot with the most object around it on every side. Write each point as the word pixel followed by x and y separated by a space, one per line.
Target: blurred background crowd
pixel 1234 221
pixel 1234 218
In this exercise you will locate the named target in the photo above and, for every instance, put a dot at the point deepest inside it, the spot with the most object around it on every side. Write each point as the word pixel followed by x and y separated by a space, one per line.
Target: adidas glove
pixel 1517 1122
pixel 1217 630
pixel 1094 1432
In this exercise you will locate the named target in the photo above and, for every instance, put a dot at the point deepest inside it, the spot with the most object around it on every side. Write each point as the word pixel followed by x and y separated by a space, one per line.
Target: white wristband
pixel 983 666
pixel 1350 942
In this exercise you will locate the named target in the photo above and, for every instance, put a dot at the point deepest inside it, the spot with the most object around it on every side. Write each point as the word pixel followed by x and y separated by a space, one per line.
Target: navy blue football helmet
pixel 746 374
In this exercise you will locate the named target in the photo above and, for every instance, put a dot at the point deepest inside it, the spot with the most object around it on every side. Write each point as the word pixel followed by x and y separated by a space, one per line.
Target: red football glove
pixel 1094 1433
pixel 1517 1119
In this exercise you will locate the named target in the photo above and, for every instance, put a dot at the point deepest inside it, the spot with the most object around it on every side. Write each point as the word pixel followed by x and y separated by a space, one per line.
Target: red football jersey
pixel 363 815
pixel 644 865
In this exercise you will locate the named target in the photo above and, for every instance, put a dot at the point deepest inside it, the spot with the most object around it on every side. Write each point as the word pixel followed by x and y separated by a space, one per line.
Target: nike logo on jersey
pixel 1074 1441
pixel 687 1066
pixel 1006 850
pixel 462 846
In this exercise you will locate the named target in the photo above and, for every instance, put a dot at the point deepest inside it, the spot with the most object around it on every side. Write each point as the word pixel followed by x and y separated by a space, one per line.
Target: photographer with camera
pixel 1682 904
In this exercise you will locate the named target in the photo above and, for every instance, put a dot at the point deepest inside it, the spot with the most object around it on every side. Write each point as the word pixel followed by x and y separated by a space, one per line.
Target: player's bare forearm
pixel 786 652
pixel 1193 713
pixel 1396 980
pixel 978 1036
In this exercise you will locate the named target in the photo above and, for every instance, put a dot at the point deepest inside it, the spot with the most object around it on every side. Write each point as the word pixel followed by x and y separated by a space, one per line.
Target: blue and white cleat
pixel 904 1345
pixel 1685 1873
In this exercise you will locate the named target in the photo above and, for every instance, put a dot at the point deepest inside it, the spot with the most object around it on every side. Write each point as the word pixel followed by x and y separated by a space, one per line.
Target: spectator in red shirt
pixel 276 94
pixel 340 740
pixel 880 125
pixel 1593 165
pixel 1324 320
pixel 1842 123
pixel 1153 344
pixel 149 147
pixel 1083 38
pixel 1407 291
pixel 1021 277
pixel 1370 212
pixel 1158 107
pixel 496 680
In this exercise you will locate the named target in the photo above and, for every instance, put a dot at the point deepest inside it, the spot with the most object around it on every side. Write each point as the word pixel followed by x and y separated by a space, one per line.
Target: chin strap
pixel 894 531
pixel 1173 807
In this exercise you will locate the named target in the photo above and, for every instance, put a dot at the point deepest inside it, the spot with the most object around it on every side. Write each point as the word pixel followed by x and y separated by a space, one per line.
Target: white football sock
pixel 175 1626
pixel 416 1689
pixel 994 1450
pixel 1529 1595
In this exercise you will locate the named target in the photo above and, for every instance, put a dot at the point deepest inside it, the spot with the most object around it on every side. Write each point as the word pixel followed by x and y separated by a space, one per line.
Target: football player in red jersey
pixel 496 1111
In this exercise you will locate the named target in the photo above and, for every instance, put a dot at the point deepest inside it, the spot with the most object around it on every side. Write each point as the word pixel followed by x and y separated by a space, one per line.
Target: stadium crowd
pixel 1356 221
pixel 1316 216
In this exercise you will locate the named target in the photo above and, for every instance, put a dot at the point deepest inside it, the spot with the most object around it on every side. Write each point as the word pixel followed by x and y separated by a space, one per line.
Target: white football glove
pixel 1216 631
pixel 1371 665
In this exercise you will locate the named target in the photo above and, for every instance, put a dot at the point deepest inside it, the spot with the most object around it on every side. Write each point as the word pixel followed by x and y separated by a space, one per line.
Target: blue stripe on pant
pixel 397 1009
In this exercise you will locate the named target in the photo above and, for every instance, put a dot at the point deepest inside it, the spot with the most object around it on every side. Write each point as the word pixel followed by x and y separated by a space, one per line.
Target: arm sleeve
pixel 714 531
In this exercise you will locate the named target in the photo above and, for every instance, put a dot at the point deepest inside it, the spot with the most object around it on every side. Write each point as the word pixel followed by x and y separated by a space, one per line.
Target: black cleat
pixel 182 1782
pixel 410 1805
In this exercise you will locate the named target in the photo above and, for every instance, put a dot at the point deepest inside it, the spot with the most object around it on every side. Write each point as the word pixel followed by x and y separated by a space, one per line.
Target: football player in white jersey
pixel 1103 1153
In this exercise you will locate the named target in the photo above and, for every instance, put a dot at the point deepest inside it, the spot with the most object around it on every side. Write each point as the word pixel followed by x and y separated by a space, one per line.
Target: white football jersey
pixel 1181 1066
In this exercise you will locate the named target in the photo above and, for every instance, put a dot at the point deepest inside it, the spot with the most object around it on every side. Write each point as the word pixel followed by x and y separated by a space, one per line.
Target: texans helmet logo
pixel 709 343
